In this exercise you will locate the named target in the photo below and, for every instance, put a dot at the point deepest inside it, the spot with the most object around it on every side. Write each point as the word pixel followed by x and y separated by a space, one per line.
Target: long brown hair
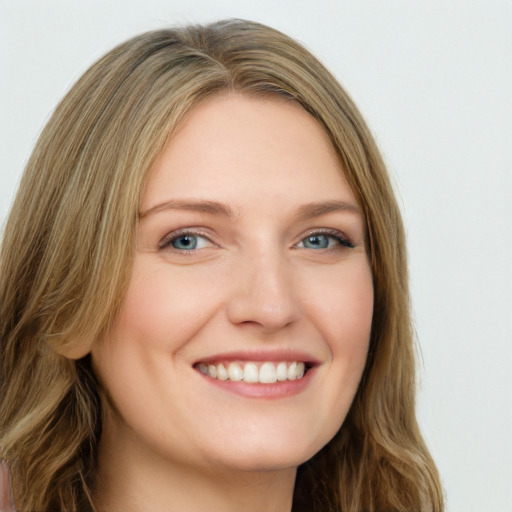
pixel 68 248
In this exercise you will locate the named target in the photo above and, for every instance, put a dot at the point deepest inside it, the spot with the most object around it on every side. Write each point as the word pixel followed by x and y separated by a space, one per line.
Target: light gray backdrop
pixel 433 79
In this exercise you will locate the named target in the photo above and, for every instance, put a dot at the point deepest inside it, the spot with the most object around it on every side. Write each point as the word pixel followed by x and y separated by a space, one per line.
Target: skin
pixel 6 497
pixel 172 438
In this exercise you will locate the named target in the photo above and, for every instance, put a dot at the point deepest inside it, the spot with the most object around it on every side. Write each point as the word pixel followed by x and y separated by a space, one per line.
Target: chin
pixel 271 451
pixel 265 461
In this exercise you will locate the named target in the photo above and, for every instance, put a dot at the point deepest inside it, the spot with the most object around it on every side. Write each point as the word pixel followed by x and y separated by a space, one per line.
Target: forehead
pixel 232 145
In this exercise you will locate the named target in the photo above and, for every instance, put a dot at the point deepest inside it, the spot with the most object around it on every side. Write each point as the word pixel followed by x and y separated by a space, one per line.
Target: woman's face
pixel 244 331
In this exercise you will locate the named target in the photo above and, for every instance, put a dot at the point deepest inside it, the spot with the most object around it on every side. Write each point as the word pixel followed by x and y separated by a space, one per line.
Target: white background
pixel 434 80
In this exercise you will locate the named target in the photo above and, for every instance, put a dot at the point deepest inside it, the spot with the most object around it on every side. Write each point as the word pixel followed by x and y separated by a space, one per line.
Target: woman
pixel 204 300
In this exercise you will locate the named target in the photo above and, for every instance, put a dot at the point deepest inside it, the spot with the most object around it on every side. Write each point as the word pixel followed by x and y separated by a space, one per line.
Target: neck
pixel 129 482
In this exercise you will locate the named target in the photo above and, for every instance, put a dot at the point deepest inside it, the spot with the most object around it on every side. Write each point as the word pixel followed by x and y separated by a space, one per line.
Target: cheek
pixel 344 317
pixel 164 307
pixel 341 312
pixel 344 311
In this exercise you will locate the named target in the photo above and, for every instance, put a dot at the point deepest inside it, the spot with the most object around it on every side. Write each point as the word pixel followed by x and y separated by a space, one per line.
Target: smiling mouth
pixel 262 372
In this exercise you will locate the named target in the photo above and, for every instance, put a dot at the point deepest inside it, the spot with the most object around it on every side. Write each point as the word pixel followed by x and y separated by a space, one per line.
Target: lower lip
pixel 276 390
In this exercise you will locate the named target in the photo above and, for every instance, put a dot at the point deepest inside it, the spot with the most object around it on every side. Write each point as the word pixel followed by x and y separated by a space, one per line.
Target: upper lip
pixel 275 356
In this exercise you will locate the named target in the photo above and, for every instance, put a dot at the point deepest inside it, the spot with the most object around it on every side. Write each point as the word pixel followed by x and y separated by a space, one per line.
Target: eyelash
pixel 166 242
pixel 342 241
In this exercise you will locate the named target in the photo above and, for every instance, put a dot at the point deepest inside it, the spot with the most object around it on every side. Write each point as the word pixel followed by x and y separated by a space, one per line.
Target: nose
pixel 263 292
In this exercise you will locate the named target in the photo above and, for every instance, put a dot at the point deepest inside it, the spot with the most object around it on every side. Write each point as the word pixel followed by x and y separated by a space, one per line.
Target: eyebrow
pixel 304 212
pixel 212 207
pixel 317 209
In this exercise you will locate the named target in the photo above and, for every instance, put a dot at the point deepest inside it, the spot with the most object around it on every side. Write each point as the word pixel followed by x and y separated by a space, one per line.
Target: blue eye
pixel 324 241
pixel 186 242
pixel 317 242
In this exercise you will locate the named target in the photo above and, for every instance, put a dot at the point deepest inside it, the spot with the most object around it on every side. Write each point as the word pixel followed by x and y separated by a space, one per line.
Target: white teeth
pixel 292 371
pixel 222 373
pixel 235 372
pixel 301 369
pixel 268 373
pixel 252 372
pixel 281 372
